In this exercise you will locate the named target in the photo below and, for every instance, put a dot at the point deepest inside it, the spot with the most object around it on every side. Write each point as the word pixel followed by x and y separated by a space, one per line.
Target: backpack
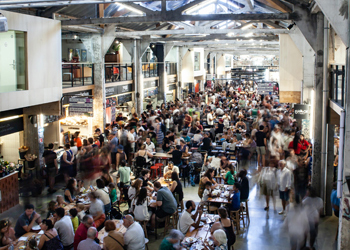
pixel 163 128
pixel 140 161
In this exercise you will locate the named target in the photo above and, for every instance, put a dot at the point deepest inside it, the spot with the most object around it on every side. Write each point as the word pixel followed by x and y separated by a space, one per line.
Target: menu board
pixel 11 126
pixel 265 88
pixel 124 98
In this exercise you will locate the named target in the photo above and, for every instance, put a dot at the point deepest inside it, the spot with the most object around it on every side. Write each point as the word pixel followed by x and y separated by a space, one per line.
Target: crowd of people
pixel 220 130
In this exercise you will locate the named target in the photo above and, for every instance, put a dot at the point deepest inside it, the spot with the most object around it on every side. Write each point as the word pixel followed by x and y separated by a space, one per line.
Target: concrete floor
pixel 264 233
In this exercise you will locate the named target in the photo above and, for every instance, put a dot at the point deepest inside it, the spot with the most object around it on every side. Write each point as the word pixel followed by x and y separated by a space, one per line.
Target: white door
pixel 8 73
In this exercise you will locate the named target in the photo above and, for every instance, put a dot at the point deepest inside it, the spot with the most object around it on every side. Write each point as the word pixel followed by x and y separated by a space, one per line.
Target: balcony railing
pixel 150 70
pixel 77 74
pixel 116 72
pixel 337 93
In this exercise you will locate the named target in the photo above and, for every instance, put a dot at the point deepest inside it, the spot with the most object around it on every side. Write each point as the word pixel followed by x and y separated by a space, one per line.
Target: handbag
pixel 118 242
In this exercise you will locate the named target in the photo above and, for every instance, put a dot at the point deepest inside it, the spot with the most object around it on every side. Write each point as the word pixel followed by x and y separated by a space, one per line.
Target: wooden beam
pixel 101 13
pixel 170 17
pixel 276 4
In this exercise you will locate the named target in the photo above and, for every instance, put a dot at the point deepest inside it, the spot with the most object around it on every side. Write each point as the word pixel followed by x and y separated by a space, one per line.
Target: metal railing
pixel 337 90
pixel 77 74
pixel 116 72
pixel 150 69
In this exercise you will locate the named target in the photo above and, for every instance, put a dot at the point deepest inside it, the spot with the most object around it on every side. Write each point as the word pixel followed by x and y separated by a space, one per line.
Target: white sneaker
pixel 281 212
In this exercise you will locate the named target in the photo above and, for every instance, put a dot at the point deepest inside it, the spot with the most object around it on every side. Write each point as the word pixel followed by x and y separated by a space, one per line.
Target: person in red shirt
pixel 295 144
pixel 188 120
pixel 81 233
pixel 305 146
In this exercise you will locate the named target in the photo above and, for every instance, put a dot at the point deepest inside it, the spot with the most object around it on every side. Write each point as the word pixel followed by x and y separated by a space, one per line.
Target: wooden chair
pixel 236 218
pixel 212 209
pixel 143 224
pixel 173 218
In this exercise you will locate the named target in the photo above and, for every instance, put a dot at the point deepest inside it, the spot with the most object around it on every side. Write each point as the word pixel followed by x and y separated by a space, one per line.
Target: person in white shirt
pixel 313 206
pixel 197 137
pixel 149 145
pixel 187 219
pixel 140 206
pixel 134 237
pixel 207 191
pixel 284 181
pixel 219 111
pixel 227 120
pixel 131 139
pixel 64 227
pixel 167 122
pixel 169 169
pixel 210 118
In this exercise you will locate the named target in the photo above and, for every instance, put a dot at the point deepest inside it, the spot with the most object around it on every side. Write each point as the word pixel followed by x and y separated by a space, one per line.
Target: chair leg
pixel 247 211
pixel 145 228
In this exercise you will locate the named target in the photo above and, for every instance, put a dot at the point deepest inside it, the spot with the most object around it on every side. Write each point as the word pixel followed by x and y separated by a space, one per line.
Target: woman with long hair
pixel 140 204
pixel 50 240
pixel 70 190
pixel 134 189
pixel 208 176
pixel 227 225
pixel 176 186
pixel 295 144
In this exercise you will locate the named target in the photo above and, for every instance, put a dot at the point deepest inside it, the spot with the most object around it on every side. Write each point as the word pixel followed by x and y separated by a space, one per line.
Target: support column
pixel 30 134
pixel 137 63
pixel 330 167
pixel 160 53
pixel 179 72
pixel 318 172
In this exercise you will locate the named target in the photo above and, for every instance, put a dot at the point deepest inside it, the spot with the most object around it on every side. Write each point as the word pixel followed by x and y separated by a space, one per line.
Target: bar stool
pixel 154 171
pixel 245 211
pixel 161 168
pixel 143 224
pixel 173 219
pixel 237 218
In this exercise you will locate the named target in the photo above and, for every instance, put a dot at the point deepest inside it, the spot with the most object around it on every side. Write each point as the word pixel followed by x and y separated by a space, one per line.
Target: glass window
pixel 197 61
pixel 13 63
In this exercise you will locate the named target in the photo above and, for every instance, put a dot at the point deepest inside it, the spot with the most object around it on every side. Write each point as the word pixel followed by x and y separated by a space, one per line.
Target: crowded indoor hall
pixel 174 124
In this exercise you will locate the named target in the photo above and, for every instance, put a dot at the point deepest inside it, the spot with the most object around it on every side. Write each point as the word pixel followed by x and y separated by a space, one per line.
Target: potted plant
pixel 116 48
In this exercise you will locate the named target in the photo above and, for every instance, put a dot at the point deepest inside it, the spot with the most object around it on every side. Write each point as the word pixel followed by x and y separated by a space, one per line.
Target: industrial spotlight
pixel 291 26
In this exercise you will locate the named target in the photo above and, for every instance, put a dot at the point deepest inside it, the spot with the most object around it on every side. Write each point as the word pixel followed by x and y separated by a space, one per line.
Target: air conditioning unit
pixel 3 24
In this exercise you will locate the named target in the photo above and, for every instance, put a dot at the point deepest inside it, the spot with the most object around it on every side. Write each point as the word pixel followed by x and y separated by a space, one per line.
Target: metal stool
pixel 154 172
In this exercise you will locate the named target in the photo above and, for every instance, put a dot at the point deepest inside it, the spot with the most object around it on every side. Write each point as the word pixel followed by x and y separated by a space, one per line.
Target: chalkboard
pixel 11 126
pixel 124 98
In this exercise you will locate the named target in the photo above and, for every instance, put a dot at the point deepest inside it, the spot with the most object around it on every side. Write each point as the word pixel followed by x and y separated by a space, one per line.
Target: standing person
pixel 114 240
pixel 114 142
pixel 172 241
pixel 261 146
pixel 89 243
pixel 149 145
pixel 187 120
pixel 133 229
pixel 244 182
pixel 124 174
pixel 26 221
pixel 284 181
pixel 313 207
pixel 64 228
pixel 159 132
pixel 210 119
pixel 50 240
pixel 81 233
pixel 121 155
pixel 100 137
pixel 301 179
pixel 268 184
pixel 66 163
pixel 188 219
pixel 77 140
pixel 50 160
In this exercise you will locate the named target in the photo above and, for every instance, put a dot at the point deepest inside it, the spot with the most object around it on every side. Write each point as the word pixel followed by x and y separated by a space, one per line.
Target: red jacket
pixel 81 234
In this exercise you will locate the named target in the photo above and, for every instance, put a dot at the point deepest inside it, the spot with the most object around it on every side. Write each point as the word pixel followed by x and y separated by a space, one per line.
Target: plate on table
pixel 37 227
pixel 201 223
pixel 190 240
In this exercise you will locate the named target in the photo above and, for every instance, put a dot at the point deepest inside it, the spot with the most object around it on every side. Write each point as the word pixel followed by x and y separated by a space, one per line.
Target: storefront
pixel 77 115
pixel 171 89
pixel 119 99
pixel 150 92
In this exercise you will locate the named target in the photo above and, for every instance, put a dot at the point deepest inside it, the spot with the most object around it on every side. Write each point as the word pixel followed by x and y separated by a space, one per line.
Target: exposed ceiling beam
pixel 276 4
pixel 48 3
pixel 50 11
pixel 272 25
pixel 140 8
pixel 250 4
pixel 200 30
pixel 231 42
pixel 181 9
pixel 83 28
pixel 213 37
pixel 176 18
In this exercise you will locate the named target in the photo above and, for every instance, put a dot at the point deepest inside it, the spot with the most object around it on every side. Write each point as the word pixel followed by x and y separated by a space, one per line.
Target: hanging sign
pixel 265 88
pixel 301 111
pixel 80 106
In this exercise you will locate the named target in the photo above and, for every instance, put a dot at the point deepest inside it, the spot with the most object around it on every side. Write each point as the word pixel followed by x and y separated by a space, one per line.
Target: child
pixel 60 201
pixel 112 192
pixel 80 210
pixel 207 191
pixel 80 186
pixel 75 220
pixel 51 207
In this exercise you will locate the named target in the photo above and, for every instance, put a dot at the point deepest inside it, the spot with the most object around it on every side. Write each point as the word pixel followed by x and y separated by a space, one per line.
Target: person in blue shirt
pixel 335 200
pixel 236 199
pixel 114 142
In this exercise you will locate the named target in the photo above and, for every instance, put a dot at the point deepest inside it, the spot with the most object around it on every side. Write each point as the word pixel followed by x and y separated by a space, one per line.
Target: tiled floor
pixel 264 232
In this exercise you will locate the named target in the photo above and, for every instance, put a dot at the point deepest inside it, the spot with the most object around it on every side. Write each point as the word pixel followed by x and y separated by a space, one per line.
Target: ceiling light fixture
pixel 247 27
pixel 291 26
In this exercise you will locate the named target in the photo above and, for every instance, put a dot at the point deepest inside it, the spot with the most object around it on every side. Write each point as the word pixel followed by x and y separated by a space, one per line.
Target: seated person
pixel 177 155
pixel 60 201
pixel 145 174
pixel 197 137
pixel 207 191
pixel 207 163
pixel 26 220
pixel 169 169
pixel 166 203
pixel 229 177
pixel 207 145
pixel 236 201
pixel 187 219
pixel 224 163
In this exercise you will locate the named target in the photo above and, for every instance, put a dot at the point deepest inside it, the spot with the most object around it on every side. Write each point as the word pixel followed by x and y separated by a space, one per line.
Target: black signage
pixel 171 80
pixel 124 98
pixel 11 126
pixel 79 93
pixel 150 84
pixel 50 118
pixel 115 90
pixel 172 86
pixel 301 111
